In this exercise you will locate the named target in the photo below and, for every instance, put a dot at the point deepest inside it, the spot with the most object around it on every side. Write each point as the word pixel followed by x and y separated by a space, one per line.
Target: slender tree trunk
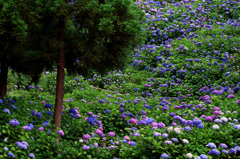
pixel 3 79
pixel 60 80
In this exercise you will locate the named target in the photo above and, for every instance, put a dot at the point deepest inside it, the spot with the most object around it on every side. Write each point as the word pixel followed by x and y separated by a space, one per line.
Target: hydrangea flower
pixel 212 145
pixel 48 105
pixel 189 155
pixel 215 127
pixel 111 147
pixel 164 155
pixel 185 141
pixel 60 132
pixel 111 134
pixel 132 143
pixel 174 139
pixel 214 152
pixel 14 122
pixel 223 145
pixel 39 114
pixel 85 147
pixel 107 111
pixel 86 136
pixel 7 110
pixel 31 155
pixel 40 129
pixel 10 155
pixel 203 156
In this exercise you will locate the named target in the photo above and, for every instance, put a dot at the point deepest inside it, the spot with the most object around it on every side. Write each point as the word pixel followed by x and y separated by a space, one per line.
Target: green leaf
pixel 23 138
pixel 13 148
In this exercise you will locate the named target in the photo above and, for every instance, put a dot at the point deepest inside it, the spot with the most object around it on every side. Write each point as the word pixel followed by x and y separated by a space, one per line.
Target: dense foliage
pixel 178 97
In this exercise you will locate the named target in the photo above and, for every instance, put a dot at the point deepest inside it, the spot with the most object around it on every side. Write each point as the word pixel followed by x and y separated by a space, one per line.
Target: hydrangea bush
pixel 178 98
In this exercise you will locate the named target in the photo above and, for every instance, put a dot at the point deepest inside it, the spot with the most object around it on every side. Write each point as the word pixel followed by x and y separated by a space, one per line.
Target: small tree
pixel 101 34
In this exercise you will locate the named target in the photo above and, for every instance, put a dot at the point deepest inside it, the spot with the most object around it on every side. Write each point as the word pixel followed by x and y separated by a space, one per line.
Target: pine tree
pixel 14 16
pixel 81 36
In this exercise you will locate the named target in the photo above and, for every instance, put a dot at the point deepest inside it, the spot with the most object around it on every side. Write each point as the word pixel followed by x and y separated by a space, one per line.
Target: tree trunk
pixel 3 79
pixel 60 80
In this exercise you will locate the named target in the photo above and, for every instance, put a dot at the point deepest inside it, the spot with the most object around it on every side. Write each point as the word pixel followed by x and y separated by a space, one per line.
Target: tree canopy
pixel 79 36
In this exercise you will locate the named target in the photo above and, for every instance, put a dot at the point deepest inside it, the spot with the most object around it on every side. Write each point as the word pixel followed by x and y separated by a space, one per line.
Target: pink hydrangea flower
pixel 90 113
pixel 43 102
pixel 40 129
pixel 134 121
pixel 154 124
pixel 111 134
pixel 216 112
pixel 86 136
pixel 126 138
pixel 60 132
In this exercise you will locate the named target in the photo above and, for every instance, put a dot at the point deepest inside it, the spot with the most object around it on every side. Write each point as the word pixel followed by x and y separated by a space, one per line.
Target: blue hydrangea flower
pixel 225 151
pixel 48 105
pixel 101 101
pixel 174 139
pixel 132 143
pixel 92 120
pixel 107 111
pixel 7 110
pixel 187 128
pixel 214 152
pixel 30 125
pixel 121 110
pixel 14 122
pixel 233 151
pixel 72 111
pixel 10 155
pixel 76 79
pixel 31 155
pixel 223 145
pixel 49 113
pixel 203 156
pixel 212 145
pixel 45 123
pixel 39 114
pixel 5 148
pixel 201 126
pixel 164 155
pixel 14 107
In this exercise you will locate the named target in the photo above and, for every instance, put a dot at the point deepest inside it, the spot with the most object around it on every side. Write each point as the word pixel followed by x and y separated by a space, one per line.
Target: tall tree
pixel 15 16
pixel 12 31
pixel 101 34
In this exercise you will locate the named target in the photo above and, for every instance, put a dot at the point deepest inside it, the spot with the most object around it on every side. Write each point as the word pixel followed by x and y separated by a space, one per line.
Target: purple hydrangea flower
pixel 14 122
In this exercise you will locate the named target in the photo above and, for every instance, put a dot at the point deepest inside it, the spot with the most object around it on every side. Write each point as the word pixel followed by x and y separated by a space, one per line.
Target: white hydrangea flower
pixel 189 155
pixel 170 129
pixel 81 140
pixel 177 130
pixel 217 121
pixel 185 141
pixel 224 119
pixel 215 127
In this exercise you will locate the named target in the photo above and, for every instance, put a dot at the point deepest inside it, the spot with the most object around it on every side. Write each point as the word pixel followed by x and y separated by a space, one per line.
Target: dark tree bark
pixel 3 78
pixel 60 79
